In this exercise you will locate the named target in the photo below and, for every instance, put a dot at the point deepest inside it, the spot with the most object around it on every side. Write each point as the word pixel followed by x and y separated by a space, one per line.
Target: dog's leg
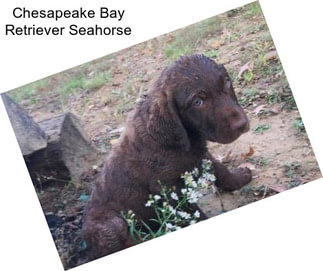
pixel 227 180
pixel 105 234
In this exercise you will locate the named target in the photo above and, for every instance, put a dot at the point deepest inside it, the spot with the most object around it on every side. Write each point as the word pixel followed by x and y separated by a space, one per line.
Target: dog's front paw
pixel 241 176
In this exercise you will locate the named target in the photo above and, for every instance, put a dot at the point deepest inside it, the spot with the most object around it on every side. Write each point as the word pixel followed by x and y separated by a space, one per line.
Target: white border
pixel 280 233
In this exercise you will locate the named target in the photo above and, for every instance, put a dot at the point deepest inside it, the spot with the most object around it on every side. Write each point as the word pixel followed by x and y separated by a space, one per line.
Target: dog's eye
pixel 198 102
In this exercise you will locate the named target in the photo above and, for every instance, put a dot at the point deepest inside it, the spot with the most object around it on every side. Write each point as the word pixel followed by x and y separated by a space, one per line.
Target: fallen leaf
pixel 259 108
pixel 277 187
pixel 271 55
pixel 275 109
pixel 250 153
pixel 216 44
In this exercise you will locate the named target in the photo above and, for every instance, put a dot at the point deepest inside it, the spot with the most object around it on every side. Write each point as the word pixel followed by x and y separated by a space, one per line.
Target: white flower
pixel 192 222
pixel 177 228
pixel 194 196
pixel 209 176
pixel 171 209
pixel 183 214
pixel 183 191
pixel 149 202
pixel 195 172
pixel 206 164
pixel 197 214
pixel 174 196
pixel 189 179
pixel 170 226
pixel 186 174
pixel 131 214
pixel 157 197
pixel 194 184
pixel 202 182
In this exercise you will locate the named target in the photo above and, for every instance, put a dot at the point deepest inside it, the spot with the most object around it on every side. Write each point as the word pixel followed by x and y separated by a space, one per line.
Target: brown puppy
pixel 191 102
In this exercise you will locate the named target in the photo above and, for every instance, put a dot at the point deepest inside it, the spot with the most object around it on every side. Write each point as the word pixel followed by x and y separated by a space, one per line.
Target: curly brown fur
pixel 191 102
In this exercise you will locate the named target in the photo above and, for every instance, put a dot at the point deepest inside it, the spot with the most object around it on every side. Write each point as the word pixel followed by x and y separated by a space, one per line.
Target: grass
pixel 27 92
pixel 125 100
pixel 186 39
pixel 99 80
pixel 252 10
pixel 80 82
pixel 177 49
pixel 73 84
pixel 67 84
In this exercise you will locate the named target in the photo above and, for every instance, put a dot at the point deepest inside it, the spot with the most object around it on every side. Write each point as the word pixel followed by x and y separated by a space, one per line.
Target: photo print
pixel 161 135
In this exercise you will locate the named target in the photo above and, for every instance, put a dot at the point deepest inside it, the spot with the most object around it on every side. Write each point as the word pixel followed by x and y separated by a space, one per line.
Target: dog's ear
pixel 164 124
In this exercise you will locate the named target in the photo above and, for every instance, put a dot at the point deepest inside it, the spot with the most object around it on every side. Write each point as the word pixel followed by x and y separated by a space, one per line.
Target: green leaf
pixel 83 198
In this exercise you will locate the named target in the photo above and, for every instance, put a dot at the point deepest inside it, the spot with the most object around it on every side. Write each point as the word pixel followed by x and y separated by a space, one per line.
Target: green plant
pixel 83 197
pixel 248 96
pixel 262 59
pixel 273 97
pixel 248 75
pixel 259 161
pixel 299 125
pixel 283 96
pixel 289 101
pixel 260 128
pixel 212 53
pixel 291 168
pixel 172 210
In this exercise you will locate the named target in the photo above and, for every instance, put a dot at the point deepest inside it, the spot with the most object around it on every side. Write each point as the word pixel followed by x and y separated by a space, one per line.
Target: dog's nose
pixel 240 125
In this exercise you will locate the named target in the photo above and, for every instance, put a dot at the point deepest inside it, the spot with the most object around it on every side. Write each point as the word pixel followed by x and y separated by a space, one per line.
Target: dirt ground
pixel 102 92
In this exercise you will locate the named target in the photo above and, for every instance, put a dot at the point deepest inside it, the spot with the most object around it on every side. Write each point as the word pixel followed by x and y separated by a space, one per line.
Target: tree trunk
pixel 55 149
pixel 29 135
pixel 69 152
